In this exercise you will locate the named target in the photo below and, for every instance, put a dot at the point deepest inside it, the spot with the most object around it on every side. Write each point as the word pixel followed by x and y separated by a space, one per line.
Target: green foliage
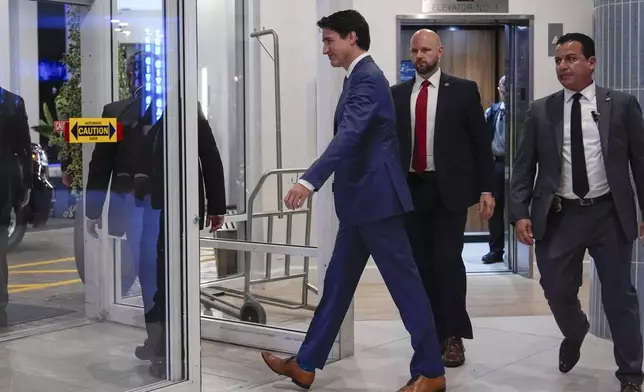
pixel 68 104
pixel 124 89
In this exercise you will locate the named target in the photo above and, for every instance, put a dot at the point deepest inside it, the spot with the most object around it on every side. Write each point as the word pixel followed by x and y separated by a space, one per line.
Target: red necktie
pixel 420 130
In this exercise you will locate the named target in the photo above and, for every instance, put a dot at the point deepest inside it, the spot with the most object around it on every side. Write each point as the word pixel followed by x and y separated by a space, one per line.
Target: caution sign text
pixel 93 130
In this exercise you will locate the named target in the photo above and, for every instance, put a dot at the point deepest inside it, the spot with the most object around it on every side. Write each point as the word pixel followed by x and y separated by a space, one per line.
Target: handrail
pixel 255 192
pixel 278 102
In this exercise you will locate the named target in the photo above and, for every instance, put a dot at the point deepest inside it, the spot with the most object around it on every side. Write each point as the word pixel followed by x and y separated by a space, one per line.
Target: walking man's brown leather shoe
pixel 288 367
pixel 424 384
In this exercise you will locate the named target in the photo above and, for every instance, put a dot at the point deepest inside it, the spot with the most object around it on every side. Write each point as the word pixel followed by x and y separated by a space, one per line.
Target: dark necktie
pixel 579 175
pixel 420 130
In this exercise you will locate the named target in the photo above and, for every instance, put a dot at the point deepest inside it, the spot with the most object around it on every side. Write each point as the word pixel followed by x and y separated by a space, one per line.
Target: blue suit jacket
pixel 369 182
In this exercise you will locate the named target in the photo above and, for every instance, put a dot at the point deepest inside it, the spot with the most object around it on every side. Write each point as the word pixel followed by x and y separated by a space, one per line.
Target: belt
pixel 426 175
pixel 585 202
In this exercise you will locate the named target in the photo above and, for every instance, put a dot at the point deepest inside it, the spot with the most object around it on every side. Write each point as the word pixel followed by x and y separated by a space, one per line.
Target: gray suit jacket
pixel 621 129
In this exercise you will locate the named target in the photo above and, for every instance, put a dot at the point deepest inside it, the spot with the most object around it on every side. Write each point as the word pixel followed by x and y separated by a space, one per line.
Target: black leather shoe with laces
pixel 631 386
pixel 569 352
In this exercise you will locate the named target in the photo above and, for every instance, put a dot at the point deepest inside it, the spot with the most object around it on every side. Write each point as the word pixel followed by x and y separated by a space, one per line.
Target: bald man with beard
pixel 446 153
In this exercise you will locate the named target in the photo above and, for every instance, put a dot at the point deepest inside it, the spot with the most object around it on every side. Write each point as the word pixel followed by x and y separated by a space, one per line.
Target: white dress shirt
pixel 592 147
pixel 353 64
pixel 432 100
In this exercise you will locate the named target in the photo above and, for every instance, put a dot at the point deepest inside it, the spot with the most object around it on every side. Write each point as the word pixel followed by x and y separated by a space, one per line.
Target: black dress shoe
pixel 492 258
pixel 631 386
pixel 569 353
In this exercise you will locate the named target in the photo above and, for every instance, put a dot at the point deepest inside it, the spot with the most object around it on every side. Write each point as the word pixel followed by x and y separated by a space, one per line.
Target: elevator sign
pixel 92 130
pixel 465 6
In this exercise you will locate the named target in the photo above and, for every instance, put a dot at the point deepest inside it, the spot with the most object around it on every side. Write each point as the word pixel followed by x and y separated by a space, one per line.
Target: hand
pixel 486 206
pixel 91 227
pixel 215 222
pixel 296 197
pixel 67 180
pixel 524 231
pixel 25 201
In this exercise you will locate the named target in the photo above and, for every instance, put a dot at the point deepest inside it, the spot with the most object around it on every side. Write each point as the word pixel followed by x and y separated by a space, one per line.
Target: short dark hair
pixel 344 22
pixel 587 43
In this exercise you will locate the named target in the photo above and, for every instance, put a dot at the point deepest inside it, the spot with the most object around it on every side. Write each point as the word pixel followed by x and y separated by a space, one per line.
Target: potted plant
pixel 68 104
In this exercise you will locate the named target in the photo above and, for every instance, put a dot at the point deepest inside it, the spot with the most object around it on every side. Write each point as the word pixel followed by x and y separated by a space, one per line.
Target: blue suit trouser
pixel 142 235
pixel 386 240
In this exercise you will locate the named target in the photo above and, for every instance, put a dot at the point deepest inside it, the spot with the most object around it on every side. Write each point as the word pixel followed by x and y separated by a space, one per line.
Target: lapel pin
pixel 446 84
pixel 607 99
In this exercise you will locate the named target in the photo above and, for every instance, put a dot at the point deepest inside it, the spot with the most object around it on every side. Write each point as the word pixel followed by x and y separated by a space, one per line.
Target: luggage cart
pixel 252 310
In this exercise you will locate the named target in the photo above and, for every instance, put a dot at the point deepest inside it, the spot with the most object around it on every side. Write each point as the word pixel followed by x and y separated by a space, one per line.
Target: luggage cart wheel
pixel 252 312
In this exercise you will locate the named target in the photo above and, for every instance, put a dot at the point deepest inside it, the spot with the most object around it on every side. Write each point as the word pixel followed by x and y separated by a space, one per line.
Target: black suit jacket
pixel 621 130
pixel 109 159
pixel 462 152
pixel 15 142
pixel 212 191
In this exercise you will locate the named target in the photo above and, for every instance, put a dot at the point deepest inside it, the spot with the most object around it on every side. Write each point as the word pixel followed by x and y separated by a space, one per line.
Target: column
pixel 620 66
pixel 24 58
pixel 19 54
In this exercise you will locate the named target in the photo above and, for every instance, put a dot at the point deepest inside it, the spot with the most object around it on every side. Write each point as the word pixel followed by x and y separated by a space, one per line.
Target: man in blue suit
pixel 371 197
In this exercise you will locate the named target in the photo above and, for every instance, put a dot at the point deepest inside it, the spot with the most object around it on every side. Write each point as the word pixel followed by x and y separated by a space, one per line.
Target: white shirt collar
pixel 355 62
pixel 434 80
pixel 588 93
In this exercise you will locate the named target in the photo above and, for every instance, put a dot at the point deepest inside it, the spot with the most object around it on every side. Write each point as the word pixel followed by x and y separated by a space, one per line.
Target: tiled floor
pixel 508 354
pixel 516 354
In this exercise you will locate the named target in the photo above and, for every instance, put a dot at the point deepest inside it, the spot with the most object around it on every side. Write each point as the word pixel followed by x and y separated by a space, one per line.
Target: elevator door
pixel 483 48
pixel 473 53
pixel 519 80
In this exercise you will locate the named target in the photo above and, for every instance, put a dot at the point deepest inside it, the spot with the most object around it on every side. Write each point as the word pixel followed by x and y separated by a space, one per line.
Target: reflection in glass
pixel 277 288
pixel 99 209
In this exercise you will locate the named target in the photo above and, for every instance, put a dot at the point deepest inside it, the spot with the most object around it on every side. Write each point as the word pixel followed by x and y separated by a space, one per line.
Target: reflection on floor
pixel 508 353
pixel 515 350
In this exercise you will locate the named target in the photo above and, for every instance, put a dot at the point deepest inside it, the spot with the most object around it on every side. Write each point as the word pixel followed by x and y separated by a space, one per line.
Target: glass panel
pixel 520 87
pixel 252 114
pixel 99 223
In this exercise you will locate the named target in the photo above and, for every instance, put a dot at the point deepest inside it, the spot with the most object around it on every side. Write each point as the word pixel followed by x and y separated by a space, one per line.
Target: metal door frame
pixel 470 19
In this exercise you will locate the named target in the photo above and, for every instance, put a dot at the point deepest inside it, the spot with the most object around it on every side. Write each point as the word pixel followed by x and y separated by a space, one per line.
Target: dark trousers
pixel 436 235
pixel 386 241
pixel 155 318
pixel 496 224
pixel 7 195
pixel 560 254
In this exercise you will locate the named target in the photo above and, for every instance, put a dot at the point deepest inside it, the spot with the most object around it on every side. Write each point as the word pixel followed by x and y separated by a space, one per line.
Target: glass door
pixel 260 273
pixel 141 192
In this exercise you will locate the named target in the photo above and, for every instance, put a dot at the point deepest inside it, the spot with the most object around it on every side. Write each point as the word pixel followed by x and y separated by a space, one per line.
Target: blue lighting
pixel 153 80
pixel 51 71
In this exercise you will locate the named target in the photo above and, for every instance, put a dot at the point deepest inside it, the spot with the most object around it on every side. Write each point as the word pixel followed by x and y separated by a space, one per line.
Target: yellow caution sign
pixel 93 130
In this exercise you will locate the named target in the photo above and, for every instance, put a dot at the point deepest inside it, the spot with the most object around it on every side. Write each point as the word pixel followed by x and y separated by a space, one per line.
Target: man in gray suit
pixel 583 140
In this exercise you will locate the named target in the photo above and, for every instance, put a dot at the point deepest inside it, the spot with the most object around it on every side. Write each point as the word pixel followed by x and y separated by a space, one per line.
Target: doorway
pixel 485 48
